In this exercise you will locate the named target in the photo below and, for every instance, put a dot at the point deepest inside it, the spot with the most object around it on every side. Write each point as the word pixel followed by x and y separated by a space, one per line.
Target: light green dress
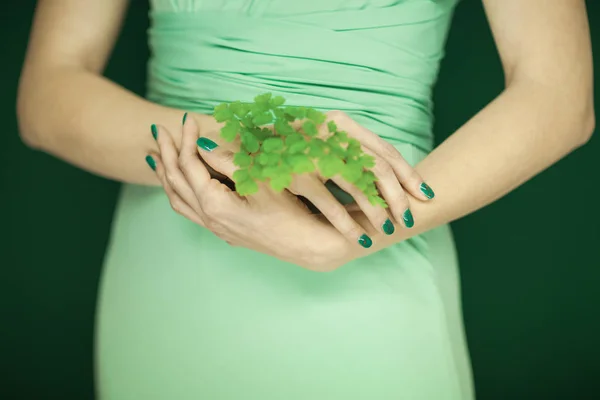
pixel 182 315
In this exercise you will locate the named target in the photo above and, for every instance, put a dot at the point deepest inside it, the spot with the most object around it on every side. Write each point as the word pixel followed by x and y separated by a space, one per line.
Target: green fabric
pixel 182 315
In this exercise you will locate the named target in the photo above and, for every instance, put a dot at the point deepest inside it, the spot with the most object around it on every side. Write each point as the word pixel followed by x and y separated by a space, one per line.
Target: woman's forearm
pixel 525 130
pixel 91 122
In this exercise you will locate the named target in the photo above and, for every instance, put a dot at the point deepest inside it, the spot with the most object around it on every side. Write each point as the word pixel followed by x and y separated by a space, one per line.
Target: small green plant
pixel 275 154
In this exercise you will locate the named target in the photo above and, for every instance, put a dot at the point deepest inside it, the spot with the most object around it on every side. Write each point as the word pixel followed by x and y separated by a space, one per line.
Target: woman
pixel 182 314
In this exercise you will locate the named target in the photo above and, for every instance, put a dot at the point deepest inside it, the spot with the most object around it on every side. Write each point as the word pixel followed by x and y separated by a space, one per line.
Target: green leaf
pixel 300 163
pixel 250 142
pixel 336 148
pixel 317 148
pixel 361 183
pixel 296 112
pixel 294 138
pixel 331 165
pixel 310 128
pixel 242 159
pixel 263 118
pixel 297 147
pixel 239 109
pixel 270 172
pixel 223 115
pixel 261 134
pixel 272 145
pixel 256 172
pixel 343 137
pixel 263 98
pixel 221 107
pixel 377 201
pixel 367 179
pixel 247 187
pixel 370 177
pixel 280 183
pixel 352 172
pixel 283 128
pixel 268 159
pixel 331 126
pixel 230 131
pixel 316 116
pixel 247 121
pixel 367 161
pixel 277 101
pixel 241 175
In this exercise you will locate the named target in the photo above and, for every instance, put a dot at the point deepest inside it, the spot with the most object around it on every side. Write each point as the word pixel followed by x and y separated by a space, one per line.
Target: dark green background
pixel 529 262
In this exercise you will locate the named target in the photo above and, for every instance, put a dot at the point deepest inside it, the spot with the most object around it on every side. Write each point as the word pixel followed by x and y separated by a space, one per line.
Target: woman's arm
pixel 66 108
pixel 545 112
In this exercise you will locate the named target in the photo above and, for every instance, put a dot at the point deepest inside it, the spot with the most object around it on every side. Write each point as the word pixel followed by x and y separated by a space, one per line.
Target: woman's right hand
pixel 395 178
pixel 278 224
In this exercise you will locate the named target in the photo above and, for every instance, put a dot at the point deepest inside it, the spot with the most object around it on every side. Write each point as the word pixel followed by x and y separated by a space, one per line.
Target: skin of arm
pixel 545 112
pixel 66 108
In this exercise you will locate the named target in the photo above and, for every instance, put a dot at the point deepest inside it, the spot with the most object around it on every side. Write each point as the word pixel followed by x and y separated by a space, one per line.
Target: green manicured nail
pixel 184 118
pixel 388 227
pixel 206 144
pixel 409 221
pixel 154 131
pixel 365 241
pixel 151 162
pixel 427 191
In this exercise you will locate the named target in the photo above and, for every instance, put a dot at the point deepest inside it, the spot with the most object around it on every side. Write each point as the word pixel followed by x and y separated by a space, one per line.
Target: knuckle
pixel 327 260
pixel 177 206
pixel 227 157
pixel 390 151
pixel 170 180
pixel 183 162
pixel 382 168
pixel 338 116
pixel 211 207
pixel 414 176
pixel 217 228
pixel 338 213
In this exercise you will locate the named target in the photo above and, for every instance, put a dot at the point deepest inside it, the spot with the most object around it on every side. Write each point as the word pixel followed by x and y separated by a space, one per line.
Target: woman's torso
pixel 183 315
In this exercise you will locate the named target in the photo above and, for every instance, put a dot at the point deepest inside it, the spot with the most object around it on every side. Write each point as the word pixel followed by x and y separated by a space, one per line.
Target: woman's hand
pixel 275 224
pixel 395 178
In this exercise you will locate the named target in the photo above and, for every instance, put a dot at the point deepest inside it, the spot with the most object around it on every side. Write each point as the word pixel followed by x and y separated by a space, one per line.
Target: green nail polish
pixel 151 162
pixel 409 221
pixel 388 227
pixel 154 131
pixel 206 144
pixel 184 118
pixel 365 241
pixel 427 191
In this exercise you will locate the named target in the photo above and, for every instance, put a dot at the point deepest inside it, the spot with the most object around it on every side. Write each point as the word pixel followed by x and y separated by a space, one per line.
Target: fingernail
pixel 151 162
pixel 409 221
pixel 184 118
pixel 206 144
pixel 427 191
pixel 388 227
pixel 365 241
pixel 154 131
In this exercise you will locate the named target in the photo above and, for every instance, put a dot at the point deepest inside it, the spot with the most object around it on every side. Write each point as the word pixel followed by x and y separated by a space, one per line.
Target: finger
pixel 217 157
pixel 178 204
pixel 170 162
pixel 315 191
pixel 211 194
pixel 191 166
pixel 405 173
pixel 391 190
pixel 377 215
